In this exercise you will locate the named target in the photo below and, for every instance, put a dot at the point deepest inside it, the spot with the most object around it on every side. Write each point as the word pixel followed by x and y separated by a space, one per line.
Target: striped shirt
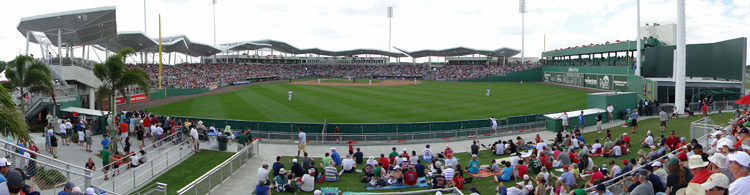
pixel 331 173
pixel 448 173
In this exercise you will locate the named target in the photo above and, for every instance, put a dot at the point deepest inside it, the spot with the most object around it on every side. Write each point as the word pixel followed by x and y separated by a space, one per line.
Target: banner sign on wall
pixel 138 98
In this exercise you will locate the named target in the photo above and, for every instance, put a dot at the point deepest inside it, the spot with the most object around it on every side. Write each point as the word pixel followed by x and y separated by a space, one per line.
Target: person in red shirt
pixel 448 152
pixel 522 169
pixel 538 139
pixel 626 138
pixel 410 177
pixel 118 161
pixel 351 148
pixel 594 176
pixel 458 181
pixel 574 157
pixel 744 134
pixel 672 141
pixel 123 131
pixel 699 169
pixel 704 109
pixel 385 161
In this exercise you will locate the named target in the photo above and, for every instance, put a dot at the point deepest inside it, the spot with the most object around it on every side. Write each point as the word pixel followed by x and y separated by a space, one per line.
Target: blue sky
pixel 417 24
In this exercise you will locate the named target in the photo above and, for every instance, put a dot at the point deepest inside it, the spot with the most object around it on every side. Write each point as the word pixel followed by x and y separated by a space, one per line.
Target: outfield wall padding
pixel 530 75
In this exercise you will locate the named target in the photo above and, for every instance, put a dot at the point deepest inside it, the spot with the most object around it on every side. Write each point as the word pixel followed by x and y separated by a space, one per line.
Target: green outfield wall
pixel 530 75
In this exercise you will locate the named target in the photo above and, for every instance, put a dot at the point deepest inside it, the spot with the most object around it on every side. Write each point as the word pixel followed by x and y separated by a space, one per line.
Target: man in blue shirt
pixel 581 121
pixel 567 177
pixel 277 166
pixel 335 156
pixel 634 118
pixel 507 173
pixel 105 142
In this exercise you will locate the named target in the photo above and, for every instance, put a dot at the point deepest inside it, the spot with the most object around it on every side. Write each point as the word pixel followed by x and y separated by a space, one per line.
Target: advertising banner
pixel 138 98
pixel 620 83
pixel 212 87
pixel 118 100
pixel 605 82
pixel 591 81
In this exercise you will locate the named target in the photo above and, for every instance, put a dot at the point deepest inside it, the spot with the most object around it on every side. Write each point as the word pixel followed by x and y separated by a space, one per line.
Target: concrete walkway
pixel 246 181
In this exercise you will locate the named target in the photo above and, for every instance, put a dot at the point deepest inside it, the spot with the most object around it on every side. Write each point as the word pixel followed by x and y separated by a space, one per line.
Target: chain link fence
pixel 216 176
pixel 47 178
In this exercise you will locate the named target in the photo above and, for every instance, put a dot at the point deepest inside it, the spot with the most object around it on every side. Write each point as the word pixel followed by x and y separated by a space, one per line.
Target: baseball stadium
pixel 169 115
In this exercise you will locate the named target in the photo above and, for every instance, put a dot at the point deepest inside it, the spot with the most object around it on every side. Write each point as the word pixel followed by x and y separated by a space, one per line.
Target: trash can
pixel 223 139
pixel 624 114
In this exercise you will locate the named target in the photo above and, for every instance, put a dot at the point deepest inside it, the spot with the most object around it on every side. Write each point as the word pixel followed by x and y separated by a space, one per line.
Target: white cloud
pixel 419 24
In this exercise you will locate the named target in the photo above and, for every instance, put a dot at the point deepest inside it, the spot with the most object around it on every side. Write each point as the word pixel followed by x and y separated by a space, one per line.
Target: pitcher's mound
pixel 346 82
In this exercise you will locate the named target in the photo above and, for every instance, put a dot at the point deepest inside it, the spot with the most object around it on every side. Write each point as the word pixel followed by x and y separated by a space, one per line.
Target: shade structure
pixel 743 100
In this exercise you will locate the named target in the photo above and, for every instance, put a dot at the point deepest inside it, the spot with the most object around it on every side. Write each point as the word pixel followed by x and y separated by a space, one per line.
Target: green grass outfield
pixel 429 101
pixel 347 81
pixel 350 181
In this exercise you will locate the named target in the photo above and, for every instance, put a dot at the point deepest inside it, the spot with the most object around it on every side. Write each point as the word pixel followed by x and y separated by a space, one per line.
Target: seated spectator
pixel 331 174
pixel 473 164
pixel 307 183
pixel 348 164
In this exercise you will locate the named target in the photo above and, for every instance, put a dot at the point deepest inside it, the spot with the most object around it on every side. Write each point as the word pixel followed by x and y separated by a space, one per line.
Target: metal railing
pixel 401 136
pixel 100 190
pixel 156 188
pixel 46 177
pixel 216 176
pixel 158 161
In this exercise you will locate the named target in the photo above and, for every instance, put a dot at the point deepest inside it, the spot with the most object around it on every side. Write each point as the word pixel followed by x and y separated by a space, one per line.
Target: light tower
pixel 638 41
pixel 679 65
pixel 214 9
pixel 522 10
pixel 390 19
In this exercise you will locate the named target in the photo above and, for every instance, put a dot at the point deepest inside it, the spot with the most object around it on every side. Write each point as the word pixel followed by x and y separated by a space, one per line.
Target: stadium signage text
pixel 590 81
pixel 138 98
pixel 572 69
pixel 604 83
pixel 620 83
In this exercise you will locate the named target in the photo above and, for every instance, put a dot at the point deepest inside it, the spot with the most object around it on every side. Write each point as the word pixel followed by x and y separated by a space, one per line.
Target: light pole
pixel 214 7
pixel 638 42
pixel 144 17
pixel 679 65
pixel 390 19
pixel 522 10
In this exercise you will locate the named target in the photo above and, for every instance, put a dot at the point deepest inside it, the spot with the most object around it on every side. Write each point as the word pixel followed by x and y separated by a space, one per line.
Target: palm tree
pixel 24 72
pixel 115 78
pixel 12 122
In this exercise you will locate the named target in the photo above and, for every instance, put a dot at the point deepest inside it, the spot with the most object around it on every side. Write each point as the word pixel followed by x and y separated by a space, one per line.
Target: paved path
pixel 243 183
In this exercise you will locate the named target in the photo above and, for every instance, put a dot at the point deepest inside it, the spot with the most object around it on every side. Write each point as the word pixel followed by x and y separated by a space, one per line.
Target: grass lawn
pixel 360 80
pixel 190 169
pixel 429 101
pixel 350 181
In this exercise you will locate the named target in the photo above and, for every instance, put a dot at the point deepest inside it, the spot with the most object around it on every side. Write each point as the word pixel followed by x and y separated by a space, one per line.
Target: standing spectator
pixel 106 157
pixel 50 132
pixel 63 132
pixel 582 120
pixel 610 112
pixel 88 135
pixel 302 145
pixel 127 145
pixel 139 132
pixel 564 117
pixel 123 131
pixel 599 123
pixel 53 144
pixel 263 173
pixel 194 137
pixel 634 122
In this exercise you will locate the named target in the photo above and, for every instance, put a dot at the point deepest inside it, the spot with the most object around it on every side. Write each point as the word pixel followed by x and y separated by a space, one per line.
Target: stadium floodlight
pixel 144 18
pixel 638 42
pixel 390 19
pixel 214 9
pixel 679 65
pixel 522 10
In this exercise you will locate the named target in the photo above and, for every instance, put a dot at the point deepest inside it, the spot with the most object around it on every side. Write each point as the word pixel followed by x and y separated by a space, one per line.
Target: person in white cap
pixel 738 165
pixel 698 168
pixel 717 184
pixel 659 171
pixel 719 164
pixel 263 173
pixel 317 192
pixel 335 157
pixel 90 191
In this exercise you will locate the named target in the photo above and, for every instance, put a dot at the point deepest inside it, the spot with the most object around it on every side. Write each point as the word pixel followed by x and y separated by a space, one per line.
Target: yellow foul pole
pixel 160 55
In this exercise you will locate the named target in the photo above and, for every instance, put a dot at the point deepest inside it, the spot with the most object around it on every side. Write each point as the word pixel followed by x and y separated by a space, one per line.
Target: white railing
pixel 158 161
pixel 216 176
pixel 453 190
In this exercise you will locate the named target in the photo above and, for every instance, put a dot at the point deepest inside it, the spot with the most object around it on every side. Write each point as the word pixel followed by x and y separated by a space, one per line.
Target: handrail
pixel 16 147
pixel 217 168
pixel 144 147
pixel 102 190
pixel 111 164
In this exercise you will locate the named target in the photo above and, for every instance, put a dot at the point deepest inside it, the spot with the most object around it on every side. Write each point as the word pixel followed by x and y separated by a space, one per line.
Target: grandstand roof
pixel 287 48
pixel 136 40
pixel 78 27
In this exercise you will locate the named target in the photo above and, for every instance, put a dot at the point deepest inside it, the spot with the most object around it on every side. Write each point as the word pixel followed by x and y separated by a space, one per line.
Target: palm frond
pixel 13 124
pixel 36 77
pixel 6 100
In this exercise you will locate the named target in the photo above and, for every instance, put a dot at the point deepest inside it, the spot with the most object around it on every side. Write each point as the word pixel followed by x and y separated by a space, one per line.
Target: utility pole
pixel 214 7
pixel 522 10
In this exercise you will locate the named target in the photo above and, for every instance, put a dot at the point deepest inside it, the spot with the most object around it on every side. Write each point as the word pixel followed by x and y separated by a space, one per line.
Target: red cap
pixel 682 156
pixel 624 162
pixel 565 167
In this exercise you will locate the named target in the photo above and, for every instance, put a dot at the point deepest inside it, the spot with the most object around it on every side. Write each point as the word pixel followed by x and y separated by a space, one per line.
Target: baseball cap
pixel 695 189
pixel 745 130
pixel 76 190
pixel 23 174
pixel 70 185
pixel 682 156
pixel 348 156
pixel 294 160
pixel 625 134
pixel 719 160
pixel 4 162
pixel 278 158
pixel 648 167
pixel 474 155
pixel 317 192
pixel 404 149
pixel 624 162
pixel 565 167
pixel 656 164
pixel 264 165
pixel 473 189
pixel 717 179
pixel 601 187
pixel 580 192
pixel 15 180
pixel 90 191
pixel 394 148
pixel 673 161
pixel 741 158
pixel 698 146
pixel 333 148
pixel 643 172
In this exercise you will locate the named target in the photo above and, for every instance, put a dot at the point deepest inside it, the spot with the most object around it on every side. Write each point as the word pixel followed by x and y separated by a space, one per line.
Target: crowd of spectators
pixel 453 72
pixel 205 75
